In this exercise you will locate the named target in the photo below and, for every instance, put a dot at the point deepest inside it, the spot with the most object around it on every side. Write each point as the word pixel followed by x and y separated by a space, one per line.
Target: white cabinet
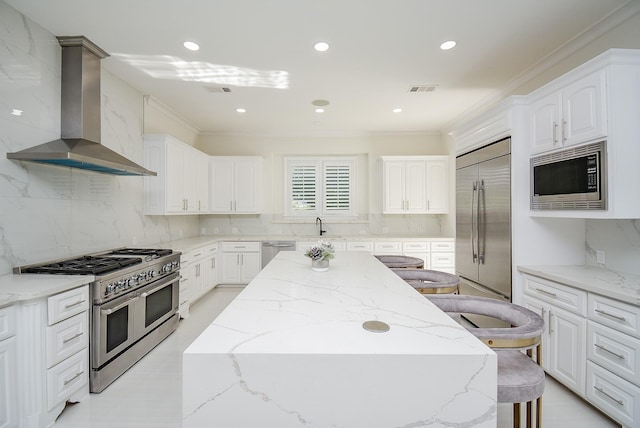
pixel 564 340
pixel 442 256
pixel 415 184
pixel 53 356
pixel 182 183
pixel 198 275
pixel 8 368
pixel 360 246
pixel 235 184
pixel 419 249
pixel 572 115
pixel 241 262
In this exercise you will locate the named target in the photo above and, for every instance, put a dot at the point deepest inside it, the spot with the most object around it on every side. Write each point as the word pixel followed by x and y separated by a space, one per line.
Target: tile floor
pixel 149 394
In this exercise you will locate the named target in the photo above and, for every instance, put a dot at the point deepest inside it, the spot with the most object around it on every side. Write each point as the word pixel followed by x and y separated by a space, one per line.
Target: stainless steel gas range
pixel 134 304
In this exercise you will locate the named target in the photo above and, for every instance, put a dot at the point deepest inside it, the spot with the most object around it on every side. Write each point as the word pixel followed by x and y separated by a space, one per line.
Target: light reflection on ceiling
pixel 174 68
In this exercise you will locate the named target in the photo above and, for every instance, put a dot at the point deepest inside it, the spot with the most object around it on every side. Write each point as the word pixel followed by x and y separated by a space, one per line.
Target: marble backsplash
pixel 620 241
pixel 52 212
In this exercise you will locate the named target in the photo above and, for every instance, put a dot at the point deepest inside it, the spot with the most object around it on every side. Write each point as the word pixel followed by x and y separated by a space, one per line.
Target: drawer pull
pixel 600 390
pixel 548 293
pixel 610 352
pixel 71 305
pixel 607 314
pixel 67 382
pixel 71 338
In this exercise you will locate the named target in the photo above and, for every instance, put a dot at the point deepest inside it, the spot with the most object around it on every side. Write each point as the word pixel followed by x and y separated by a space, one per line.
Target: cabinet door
pixel 221 190
pixel 8 388
pixel 567 356
pixel 246 180
pixel 231 268
pixel 202 183
pixel 250 266
pixel 415 183
pixel 394 176
pixel 437 182
pixel 190 185
pixel 584 110
pixel 175 178
pixel 545 114
pixel 541 309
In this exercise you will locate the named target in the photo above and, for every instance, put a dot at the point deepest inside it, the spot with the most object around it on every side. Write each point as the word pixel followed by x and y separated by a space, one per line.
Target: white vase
pixel 320 265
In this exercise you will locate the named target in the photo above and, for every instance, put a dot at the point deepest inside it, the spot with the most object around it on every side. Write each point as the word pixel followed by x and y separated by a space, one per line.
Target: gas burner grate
pixel 86 265
pixel 142 252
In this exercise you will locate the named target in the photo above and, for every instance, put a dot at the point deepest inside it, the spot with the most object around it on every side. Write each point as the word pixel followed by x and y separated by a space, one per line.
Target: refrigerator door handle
pixel 473 222
pixel 480 233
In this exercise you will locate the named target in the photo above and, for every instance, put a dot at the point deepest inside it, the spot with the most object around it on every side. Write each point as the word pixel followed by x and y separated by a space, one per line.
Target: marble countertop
pixel 616 285
pixel 290 309
pixel 16 288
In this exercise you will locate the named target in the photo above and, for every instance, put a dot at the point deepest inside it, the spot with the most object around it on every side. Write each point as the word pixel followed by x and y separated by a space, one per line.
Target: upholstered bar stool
pixel 401 262
pixel 520 378
pixel 430 281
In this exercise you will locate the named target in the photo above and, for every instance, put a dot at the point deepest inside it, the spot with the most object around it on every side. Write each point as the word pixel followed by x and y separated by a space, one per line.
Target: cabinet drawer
pixel 614 351
pixel 7 322
pixel 443 246
pixel 615 314
pixel 616 397
pixel 240 246
pixel 67 304
pixel 360 246
pixel 387 247
pixel 66 378
pixel 442 260
pixel 408 247
pixel 66 338
pixel 568 298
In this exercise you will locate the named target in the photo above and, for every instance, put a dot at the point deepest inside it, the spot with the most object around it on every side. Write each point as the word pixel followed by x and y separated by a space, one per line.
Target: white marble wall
pixel 620 241
pixel 51 212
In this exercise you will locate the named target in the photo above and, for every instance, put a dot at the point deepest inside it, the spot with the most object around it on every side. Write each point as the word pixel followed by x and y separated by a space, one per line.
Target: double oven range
pixel 134 305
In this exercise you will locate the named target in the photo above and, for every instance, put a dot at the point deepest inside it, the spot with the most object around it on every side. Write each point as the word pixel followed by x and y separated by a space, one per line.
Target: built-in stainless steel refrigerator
pixel 483 223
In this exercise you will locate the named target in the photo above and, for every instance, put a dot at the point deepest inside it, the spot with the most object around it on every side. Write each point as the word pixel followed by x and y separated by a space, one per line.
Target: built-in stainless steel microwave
pixel 570 179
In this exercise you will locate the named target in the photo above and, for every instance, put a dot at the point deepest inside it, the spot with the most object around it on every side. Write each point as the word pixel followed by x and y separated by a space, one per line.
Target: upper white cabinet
pixel 572 115
pixel 182 183
pixel 415 184
pixel 235 184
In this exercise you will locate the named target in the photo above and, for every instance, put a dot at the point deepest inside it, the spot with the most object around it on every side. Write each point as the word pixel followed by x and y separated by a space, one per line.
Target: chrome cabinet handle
pixel 68 381
pixel 601 312
pixel 72 337
pixel 610 352
pixel 550 321
pixel 548 293
pixel 600 390
pixel 555 133
pixel 480 254
pixel 564 130
pixel 71 305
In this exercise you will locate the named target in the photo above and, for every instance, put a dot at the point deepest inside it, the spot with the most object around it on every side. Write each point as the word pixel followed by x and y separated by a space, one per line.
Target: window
pixel 320 186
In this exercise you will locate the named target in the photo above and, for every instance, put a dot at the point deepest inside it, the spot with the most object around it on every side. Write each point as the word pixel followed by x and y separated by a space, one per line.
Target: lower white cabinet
pixel 53 357
pixel 241 262
pixel 591 344
pixel 8 366
pixel 198 275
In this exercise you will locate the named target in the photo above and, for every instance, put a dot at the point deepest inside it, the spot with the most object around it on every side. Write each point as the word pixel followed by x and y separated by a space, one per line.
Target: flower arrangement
pixel 321 251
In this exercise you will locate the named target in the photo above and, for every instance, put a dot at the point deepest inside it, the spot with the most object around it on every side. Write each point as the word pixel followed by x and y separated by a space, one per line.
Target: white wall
pixel 367 148
pixel 53 212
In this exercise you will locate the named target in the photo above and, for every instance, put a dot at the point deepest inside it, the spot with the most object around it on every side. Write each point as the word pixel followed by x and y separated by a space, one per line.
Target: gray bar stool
pixel 430 281
pixel 401 262
pixel 520 378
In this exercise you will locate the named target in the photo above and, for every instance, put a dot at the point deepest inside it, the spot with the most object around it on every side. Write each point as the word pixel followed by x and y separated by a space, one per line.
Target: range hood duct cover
pixel 79 145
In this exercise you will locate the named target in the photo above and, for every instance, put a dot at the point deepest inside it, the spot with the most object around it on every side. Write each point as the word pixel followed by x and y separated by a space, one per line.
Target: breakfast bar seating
pixel 401 262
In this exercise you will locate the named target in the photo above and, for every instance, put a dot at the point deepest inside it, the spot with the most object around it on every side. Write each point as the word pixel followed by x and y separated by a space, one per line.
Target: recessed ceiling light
pixel 397 110
pixel 321 46
pixel 192 46
pixel 448 45
pixel 241 110
pixel 319 110
pixel 16 112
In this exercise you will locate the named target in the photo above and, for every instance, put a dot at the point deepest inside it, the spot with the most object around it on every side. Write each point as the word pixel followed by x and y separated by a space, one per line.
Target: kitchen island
pixel 291 351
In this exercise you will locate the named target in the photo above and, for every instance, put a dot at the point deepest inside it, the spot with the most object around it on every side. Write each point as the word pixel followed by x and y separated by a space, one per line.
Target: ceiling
pixel 263 52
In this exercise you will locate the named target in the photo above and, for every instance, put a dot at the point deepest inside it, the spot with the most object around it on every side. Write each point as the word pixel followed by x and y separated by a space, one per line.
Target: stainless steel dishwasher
pixel 271 248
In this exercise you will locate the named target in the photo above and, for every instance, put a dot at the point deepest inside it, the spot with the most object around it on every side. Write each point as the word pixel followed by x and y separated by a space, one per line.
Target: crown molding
pixel 167 111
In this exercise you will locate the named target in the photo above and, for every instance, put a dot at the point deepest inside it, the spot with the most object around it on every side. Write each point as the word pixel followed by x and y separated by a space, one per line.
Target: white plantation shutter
pixel 318 186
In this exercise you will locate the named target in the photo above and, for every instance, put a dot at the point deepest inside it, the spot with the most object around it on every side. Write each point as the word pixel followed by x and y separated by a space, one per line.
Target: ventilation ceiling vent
pixel 422 88
pixel 217 89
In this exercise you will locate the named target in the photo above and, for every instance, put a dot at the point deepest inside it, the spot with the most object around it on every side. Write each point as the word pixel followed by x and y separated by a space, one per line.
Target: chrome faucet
pixel 318 219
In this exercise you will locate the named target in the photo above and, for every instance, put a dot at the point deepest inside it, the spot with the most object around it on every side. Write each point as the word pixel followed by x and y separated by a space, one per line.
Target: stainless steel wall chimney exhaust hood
pixel 79 145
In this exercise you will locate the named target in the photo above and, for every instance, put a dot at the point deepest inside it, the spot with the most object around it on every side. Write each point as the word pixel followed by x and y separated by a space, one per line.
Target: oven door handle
pixel 118 307
pixel 158 288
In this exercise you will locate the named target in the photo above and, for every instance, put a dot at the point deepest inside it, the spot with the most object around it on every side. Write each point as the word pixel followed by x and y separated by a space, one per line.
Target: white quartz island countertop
pixel 291 351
